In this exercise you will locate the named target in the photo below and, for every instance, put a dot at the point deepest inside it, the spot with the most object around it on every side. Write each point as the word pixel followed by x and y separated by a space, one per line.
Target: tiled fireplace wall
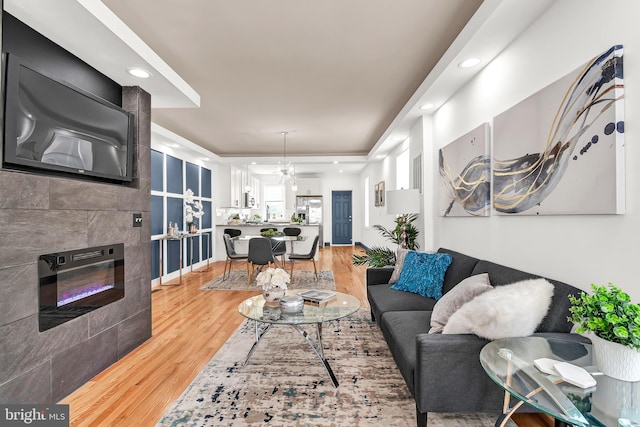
pixel 40 214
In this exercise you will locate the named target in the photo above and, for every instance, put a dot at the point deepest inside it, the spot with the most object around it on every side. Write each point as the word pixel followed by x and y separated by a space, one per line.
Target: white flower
pixel 273 278
pixel 188 196
pixel 193 208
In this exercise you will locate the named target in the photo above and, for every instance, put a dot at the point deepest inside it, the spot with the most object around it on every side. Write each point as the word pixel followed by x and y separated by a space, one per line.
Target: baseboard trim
pixel 362 245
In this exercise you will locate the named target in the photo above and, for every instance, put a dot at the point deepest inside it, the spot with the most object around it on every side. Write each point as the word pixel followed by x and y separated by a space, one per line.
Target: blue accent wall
pixel 157 174
pixel 206 218
pixel 171 177
pixel 155 259
pixel 175 211
pixel 205 179
pixel 174 175
pixel 195 243
pixel 157 225
pixel 193 178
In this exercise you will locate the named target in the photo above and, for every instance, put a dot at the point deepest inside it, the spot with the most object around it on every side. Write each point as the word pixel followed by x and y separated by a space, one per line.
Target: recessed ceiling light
pixel 340 170
pixel 335 162
pixel 139 72
pixel 206 159
pixel 380 156
pixel 468 63
pixel 174 145
pixel 426 106
pixel 253 163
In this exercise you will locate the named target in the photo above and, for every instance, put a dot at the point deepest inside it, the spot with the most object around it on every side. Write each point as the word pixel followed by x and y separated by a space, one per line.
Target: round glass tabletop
pixel 341 305
pixel 510 363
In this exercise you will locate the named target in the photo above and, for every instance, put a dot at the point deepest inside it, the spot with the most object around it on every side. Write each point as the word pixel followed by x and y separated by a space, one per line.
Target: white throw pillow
pixel 462 293
pixel 513 310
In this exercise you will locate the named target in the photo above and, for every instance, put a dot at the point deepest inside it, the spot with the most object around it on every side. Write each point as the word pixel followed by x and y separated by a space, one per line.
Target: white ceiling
pixel 344 78
pixel 333 73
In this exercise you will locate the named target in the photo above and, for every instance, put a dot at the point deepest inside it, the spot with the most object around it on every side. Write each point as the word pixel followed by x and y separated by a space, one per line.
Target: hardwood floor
pixel 189 326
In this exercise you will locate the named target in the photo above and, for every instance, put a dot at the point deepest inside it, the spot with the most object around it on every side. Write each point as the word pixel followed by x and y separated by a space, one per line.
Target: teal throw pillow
pixel 423 274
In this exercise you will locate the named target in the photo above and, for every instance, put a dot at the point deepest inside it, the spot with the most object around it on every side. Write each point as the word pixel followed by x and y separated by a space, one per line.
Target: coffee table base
pixel 317 347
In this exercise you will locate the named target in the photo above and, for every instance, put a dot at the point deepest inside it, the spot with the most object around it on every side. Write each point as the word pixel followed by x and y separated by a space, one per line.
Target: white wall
pixel 578 249
pixel 385 170
pixel 342 182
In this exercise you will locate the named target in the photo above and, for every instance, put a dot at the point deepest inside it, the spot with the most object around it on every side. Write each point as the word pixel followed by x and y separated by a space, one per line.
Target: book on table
pixel 317 296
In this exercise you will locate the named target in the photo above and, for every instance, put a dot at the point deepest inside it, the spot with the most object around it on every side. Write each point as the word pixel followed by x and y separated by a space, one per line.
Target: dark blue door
pixel 341 218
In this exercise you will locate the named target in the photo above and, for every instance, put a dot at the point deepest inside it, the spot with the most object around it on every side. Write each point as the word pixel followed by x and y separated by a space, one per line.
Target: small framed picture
pixel 380 198
pixel 376 195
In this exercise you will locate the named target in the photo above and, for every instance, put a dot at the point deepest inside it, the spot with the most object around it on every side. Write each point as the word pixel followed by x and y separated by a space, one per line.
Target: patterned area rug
pixel 284 384
pixel 302 279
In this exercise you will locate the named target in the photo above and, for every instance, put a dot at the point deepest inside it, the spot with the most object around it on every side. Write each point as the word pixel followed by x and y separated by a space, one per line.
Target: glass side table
pixel 509 363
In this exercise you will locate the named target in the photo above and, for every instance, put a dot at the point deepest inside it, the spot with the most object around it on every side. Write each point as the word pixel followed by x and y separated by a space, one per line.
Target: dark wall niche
pixel 28 44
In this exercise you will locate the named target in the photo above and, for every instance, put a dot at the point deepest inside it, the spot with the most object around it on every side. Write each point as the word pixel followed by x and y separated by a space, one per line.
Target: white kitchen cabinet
pixel 309 186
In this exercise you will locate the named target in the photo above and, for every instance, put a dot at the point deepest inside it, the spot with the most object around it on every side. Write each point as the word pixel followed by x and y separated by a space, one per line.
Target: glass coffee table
pixel 269 314
pixel 509 363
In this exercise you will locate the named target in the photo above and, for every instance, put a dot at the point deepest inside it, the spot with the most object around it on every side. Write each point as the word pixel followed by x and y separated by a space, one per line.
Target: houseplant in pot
pixel 380 256
pixel 612 323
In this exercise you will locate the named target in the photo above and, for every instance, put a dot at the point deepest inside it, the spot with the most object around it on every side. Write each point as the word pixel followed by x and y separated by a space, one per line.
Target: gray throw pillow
pixel 450 302
pixel 400 255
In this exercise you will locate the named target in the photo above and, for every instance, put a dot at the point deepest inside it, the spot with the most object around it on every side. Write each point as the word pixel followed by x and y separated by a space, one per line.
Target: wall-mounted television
pixel 54 127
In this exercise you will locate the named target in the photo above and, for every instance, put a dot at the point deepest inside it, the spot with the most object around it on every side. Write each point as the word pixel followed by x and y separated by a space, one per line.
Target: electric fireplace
pixel 73 283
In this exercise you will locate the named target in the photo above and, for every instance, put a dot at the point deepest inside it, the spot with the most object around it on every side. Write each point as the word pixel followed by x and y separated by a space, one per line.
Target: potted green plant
pixel 612 322
pixel 380 256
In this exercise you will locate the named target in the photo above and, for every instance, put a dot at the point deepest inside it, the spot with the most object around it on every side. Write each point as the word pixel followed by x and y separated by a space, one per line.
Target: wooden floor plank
pixel 189 326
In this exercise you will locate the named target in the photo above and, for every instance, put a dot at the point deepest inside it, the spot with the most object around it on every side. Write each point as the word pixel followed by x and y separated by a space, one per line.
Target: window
pixel 402 170
pixel 274 201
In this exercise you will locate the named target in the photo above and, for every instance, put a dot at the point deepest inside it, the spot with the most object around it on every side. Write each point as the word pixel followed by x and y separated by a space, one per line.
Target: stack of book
pixel 317 297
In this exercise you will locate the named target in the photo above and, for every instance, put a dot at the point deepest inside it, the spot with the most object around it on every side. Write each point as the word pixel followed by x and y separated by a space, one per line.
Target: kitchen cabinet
pixel 240 182
pixel 309 186
pixel 237 187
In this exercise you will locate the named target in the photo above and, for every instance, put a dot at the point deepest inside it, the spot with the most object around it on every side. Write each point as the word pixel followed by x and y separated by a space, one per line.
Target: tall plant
pixel 380 256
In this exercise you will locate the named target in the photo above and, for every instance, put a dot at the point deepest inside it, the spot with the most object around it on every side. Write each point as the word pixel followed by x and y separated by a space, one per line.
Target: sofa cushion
pixel 464 292
pixel 400 329
pixel 400 255
pixel 461 267
pixel 556 318
pixel 423 274
pixel 506 311
pixel 383 299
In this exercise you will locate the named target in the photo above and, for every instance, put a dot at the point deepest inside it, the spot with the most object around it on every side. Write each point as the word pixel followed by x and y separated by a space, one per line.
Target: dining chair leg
pixel 315 269
pixel 249 272
pixel 291 274
pixel 224 273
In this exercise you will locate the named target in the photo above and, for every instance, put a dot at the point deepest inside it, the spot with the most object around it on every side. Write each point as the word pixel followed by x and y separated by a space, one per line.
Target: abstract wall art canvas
pixel 561 151
pixel 465 175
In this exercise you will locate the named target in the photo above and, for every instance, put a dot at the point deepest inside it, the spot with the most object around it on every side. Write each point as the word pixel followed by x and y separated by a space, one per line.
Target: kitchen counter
pixel 308 230
pixel 266 224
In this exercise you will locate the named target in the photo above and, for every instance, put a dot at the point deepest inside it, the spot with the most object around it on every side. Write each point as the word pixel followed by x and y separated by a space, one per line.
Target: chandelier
pixel 285 168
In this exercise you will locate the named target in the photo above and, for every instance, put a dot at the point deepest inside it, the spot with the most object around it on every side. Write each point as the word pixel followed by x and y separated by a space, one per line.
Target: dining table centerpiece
pixel 273 282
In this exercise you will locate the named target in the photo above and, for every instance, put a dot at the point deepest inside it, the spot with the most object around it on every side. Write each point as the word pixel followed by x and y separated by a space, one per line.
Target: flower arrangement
pixel 193 208
pixel 273 278
pixel 609 314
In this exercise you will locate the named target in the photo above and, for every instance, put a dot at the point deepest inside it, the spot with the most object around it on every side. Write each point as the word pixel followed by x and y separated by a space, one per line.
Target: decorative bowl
pixel 291 304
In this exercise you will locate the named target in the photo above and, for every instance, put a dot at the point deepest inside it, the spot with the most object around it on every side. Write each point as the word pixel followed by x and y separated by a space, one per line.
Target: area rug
pixel 284 384
pixel 302 279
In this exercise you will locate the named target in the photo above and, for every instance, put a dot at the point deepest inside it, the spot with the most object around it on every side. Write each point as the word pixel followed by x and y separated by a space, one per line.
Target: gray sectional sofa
pixel 443 372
